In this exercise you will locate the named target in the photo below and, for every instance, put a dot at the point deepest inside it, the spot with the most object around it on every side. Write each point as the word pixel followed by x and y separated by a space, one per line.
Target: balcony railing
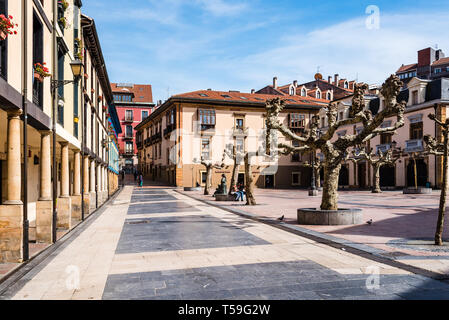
pixel 169 129
pixel 128 119
pixel 128 136
pixel 240 132
pixel 383 147
pixel 414 146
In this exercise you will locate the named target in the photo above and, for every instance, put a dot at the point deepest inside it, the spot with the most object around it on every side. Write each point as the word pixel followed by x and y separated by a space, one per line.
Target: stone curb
pixel 359 249
pixel 22 269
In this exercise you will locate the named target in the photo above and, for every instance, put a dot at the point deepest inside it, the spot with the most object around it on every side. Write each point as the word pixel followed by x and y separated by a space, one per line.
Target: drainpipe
pixel 25 243
pixel 54 102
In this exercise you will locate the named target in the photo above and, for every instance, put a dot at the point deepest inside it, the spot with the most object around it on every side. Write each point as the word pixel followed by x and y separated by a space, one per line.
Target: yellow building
pixel 60 157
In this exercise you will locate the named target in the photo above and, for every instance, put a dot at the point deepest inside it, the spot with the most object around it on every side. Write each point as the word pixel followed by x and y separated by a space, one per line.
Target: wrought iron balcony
pixel 128 119
pixel 414 146
pixel 383 147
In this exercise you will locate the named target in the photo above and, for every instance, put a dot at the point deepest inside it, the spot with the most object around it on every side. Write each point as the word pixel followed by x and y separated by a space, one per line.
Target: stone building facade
pixel 200 124
pixel 64 146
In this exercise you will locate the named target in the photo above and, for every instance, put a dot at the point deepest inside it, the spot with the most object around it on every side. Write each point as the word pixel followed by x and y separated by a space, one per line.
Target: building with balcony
pixel 134 103
pixel 423 97
pixel 188 127
pixel 54 167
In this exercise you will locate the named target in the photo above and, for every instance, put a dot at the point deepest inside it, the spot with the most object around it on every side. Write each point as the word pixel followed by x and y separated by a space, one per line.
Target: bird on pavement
pixel 370 222
pixel 281 218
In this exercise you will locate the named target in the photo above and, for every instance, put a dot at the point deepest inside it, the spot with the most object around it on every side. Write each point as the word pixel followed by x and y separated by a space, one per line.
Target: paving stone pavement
pixel 153 243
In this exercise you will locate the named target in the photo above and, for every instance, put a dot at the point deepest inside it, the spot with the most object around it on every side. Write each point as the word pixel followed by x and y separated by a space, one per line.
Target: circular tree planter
pixel 340 217
pixel 192 188
pixel 419 190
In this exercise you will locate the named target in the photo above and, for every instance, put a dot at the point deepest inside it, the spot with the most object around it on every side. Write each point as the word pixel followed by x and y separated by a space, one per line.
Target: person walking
pixel 141 180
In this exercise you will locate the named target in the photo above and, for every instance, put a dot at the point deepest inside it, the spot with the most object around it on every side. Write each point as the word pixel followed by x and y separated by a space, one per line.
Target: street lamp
pixel 77 69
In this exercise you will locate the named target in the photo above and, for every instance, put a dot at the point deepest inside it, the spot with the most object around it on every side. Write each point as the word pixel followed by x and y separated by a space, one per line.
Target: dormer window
pixel 292 91
pixel 346 85
pixel 329 96
pixel 303 92
pixel 318 95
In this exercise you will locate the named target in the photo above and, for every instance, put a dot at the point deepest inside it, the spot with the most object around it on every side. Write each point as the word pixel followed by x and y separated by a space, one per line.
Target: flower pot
pixel 38 77
pixel 3 35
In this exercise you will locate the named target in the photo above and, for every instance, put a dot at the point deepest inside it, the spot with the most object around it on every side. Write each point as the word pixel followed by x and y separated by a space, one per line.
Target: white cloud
pixel 222 8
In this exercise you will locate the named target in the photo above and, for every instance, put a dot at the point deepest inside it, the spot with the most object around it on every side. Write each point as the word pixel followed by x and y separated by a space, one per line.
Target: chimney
pixel 209 89
pixel 275 82
pixel 329 79
pixel 253 91
pixel 336 79
pixel 295 83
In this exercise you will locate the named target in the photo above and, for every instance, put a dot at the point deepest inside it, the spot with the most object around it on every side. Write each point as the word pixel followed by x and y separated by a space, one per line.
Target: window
pixel 385 138
pixel 206 118
pixel 303 92
pixel 160 150
pixel 129 147
pixel 438 70
pixel 239 123
pixel 341 116
pixel 129 131
pixel 203 178
pixel 296 178
pixel 129 115
pixel 292 91
pixel 144 115
pixel 416 131
pixel 415 97
pixel 205 149
pixel 346 85
pixel 296 156
pixel 226 96
pixel 297 121
pixel 38 57
pixel 240 145
pixel 318 95
pixel 329 96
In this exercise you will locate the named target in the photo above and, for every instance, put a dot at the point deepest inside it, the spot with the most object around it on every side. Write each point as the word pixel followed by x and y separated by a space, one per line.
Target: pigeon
pixel 281 218
pixel 370 222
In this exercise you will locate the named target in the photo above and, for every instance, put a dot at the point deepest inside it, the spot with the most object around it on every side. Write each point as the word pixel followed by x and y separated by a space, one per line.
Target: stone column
pixel 76 197
pixel 64 219
pixel 13 157
pixel 44 207
pixel 92 186
pixel 11 215
pixel 86 203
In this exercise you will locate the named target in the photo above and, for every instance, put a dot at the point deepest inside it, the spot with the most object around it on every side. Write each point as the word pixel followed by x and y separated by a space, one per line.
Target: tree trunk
pixel 330 186
pixel 208 180
pixel 250 200
pixel 235 176
pixel 376 179
pixel 318 177
pixel 442 209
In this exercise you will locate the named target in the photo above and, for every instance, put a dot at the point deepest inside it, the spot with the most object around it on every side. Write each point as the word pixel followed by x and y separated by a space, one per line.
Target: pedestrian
pixel 141 180
pixel 135 175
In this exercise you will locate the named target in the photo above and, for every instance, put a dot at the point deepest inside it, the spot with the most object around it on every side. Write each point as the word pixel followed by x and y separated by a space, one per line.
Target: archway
pixel 343 179
pixel 387 176
pixel 422 173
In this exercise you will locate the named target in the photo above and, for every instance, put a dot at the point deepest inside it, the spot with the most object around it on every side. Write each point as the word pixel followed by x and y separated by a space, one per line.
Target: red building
pixel 134 102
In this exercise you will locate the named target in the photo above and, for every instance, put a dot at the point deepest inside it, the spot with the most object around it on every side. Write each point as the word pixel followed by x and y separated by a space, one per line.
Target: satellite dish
pixel 318 76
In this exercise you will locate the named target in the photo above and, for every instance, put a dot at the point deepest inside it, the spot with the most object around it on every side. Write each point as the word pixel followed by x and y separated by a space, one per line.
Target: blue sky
pixel 185 45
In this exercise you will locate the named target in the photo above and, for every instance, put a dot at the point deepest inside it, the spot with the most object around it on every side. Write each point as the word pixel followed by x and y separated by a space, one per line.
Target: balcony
pixel 414 146
pixel 240 132
pixel 206 129
pixel 383 147
pixel 169 129
pixel 156 138
pixel 128 136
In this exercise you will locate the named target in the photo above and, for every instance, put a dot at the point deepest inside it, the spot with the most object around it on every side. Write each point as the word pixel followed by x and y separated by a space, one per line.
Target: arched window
pixel 318 95
pixel 329 96
pixel 292 91
pixel 346 85
pixel 303 92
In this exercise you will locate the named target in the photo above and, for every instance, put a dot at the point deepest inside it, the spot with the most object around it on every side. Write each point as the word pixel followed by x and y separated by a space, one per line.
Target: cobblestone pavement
pixel 154 243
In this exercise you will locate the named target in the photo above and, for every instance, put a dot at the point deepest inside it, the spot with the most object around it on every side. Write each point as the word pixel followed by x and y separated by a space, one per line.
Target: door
pixel 344 176
pixel 269 181
pixel 421 169
pixel 241 179
pixel 361 175
pixel 387 176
